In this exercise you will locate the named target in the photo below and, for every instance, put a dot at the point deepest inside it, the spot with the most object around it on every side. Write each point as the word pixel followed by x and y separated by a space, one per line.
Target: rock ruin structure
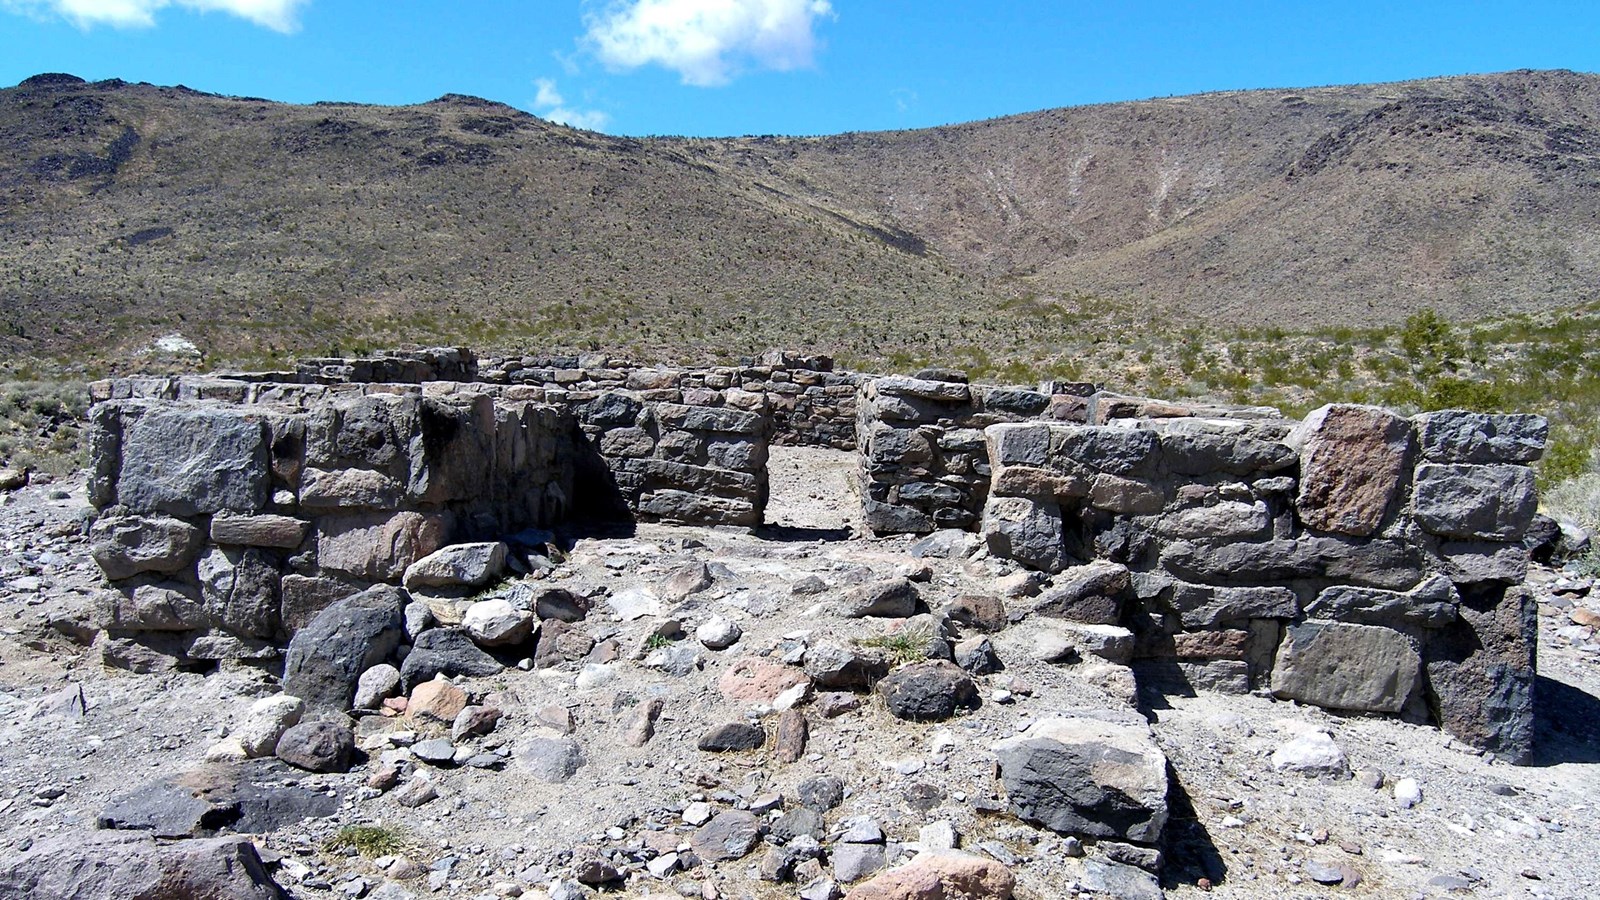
pixel 1358 560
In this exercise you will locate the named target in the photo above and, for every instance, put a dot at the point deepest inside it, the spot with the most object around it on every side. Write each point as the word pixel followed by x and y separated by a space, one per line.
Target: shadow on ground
pixel 1566 724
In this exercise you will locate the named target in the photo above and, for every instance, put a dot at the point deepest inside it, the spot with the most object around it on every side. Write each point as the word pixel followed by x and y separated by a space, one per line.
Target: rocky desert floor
pixel 1238 828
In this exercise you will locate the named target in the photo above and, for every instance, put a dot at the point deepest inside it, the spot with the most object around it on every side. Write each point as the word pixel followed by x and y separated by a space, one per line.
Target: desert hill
pixel 261 229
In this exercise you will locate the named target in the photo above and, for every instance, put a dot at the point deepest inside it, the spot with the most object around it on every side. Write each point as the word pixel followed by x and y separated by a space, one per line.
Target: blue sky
pixel 725 67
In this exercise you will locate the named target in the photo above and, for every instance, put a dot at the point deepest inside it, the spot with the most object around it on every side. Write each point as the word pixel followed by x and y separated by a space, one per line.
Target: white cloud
pixel 548 104
pixel 704 41
pixel 279 15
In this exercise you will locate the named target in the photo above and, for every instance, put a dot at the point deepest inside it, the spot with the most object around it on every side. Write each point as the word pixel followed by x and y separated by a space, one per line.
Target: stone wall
pixel 924 463
pixel 1357 561
pixel 695 456
pixel 224 526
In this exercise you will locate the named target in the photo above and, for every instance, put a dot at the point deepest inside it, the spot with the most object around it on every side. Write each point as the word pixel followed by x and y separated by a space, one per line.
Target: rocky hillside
pixel 128 212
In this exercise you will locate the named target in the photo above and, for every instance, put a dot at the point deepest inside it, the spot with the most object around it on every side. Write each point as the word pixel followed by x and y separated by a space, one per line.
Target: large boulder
pixel 1087 776
pixel 125 546
pixel 326 658
pixel 446 651
pixel 123 866
pixel 1352 459
pixel 188 461
pixel 321 746
pixel 1342 665
pixel 928 691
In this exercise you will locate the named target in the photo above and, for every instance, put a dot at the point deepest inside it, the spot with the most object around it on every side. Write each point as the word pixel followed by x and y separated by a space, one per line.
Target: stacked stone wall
pixel 693 456
pixel 1358 560
pixel 808 402
pixel 224 527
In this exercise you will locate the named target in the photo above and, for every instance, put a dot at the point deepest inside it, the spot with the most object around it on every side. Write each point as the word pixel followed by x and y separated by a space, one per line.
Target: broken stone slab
pixel 1352 460
pixel 349 489
pixel 113 866
pixel 1194 446
pixel 1124 882
pixel 1481 670
pixel 247 797
pixel 1473 502
pixel 890 598
pixel 151 607
pixel 1378 562
pixel 259 530
pixel 240 586
pixel 1125 496
pixel 922 389
pixel 1205 606
pixel 187 461
pixel 1476 562
pixel 729 835
pixel 1055 641
pixel 1087 777
pixel 1342 665
pixel 886 518
pixel 470 565
pixel 1457 436
pixel 125 546
pixel 1431 604
pixel 1227 519
pixel 378 546
pixel 325 659
pixel 1109 449
pixel 948 875
pixel 1093 594
pixel 1031 533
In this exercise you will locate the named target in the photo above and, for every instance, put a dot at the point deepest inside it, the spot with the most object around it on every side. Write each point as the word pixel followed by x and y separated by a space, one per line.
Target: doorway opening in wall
pixel 811 494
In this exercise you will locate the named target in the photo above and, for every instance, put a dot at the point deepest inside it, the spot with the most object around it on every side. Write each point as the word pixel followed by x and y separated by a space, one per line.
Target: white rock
pixel 229 750
pixel 791 697
pixel 375 685
pixel 937 837
pixel 1313 753
pixel 719 633
pixel 266 721
pixel 496 623
pixel 596 674
pixel 1407 793
pixel 634 603
pixel 697 814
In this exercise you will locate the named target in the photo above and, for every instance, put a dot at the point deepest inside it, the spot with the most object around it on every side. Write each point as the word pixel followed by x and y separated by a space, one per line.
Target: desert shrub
pixel 368 840
pixel 1576 500
pixel 41 424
